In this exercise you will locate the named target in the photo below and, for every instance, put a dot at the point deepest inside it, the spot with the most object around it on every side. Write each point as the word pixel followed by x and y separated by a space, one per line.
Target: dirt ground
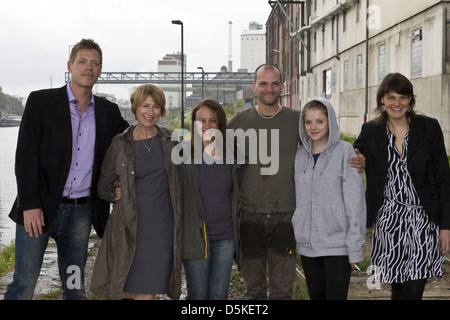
pixel 436 289
pixel 48 287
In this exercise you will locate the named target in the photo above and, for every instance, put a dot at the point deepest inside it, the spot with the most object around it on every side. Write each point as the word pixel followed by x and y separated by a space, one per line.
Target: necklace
pixel 268 117
pixel 147 147
pixel 138 136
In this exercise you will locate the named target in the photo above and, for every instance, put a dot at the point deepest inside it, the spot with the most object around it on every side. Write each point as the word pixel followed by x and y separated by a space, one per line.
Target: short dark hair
pixel 85 44
pixel 270 67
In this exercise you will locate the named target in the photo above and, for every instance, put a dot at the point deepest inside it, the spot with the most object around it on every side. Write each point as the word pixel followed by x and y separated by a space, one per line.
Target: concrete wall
pixel 391 24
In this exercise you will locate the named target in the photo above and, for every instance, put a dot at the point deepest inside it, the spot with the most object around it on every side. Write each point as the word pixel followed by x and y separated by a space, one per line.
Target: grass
pixel 7 259
pixel 53 294
pixel 348 139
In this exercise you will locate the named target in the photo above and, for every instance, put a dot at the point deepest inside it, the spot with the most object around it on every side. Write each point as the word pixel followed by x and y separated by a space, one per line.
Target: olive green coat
pixel 119 242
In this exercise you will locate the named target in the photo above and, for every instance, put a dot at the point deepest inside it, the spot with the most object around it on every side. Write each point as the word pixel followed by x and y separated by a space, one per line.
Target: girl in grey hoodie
pixel 330 216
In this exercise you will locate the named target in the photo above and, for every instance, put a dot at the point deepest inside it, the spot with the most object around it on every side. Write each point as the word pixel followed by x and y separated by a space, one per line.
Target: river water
pixel 8 189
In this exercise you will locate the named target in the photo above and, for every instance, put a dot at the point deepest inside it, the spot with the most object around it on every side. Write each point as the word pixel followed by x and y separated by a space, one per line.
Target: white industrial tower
pixel 253 47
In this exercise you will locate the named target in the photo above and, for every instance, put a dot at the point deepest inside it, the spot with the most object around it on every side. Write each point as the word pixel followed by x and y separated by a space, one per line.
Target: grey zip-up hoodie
pixel 330 214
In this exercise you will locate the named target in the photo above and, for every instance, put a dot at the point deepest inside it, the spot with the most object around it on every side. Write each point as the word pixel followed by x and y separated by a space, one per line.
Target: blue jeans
pixel 209 279
pixel 70 230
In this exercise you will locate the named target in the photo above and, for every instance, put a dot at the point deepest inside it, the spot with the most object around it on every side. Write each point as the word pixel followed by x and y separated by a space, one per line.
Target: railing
pixel 222 78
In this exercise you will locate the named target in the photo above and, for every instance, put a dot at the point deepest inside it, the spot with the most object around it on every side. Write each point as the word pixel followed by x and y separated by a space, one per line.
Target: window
pixel 315 85
pixel 416 53
pixel 381 62
pixel 309 88
pixel 333 28
pixel 333 79
pixel 345 75
pixel 344 21
pixel 327 83
pixel 358 11
pixel 448 40
pixel 315 41
pixel 323 36
pixel 359 71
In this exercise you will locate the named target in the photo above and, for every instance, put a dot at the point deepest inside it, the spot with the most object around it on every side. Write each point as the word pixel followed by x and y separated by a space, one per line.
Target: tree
pixel 9 104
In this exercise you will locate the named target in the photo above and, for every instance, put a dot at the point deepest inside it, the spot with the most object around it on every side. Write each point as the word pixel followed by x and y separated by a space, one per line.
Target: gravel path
pixel 48 287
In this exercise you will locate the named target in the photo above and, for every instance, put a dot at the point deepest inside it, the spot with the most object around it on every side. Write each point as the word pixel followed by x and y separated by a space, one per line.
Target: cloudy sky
pixel 35 36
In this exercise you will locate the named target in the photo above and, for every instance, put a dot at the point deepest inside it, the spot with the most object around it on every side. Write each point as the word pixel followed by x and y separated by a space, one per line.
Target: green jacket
pixel 195 236
pixel 119 244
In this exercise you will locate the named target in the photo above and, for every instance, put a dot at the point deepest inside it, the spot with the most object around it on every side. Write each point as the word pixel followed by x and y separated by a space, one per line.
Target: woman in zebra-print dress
pixel 405 242
pixel 408 191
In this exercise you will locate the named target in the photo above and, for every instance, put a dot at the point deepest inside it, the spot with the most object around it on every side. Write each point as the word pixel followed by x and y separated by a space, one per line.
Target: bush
pixel 7 259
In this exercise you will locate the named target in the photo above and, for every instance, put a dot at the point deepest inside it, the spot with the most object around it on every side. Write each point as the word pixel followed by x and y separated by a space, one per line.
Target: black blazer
pixel 44 154
pixel 427 165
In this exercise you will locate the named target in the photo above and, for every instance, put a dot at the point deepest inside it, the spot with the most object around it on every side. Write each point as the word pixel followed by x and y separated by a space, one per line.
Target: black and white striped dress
pixel 405 242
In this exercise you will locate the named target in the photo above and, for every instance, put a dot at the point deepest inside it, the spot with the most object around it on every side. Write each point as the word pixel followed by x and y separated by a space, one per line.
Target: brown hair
pixel 314 105
pixel 398 83
pixel 142 92
pixel 218 110
pixel 85 44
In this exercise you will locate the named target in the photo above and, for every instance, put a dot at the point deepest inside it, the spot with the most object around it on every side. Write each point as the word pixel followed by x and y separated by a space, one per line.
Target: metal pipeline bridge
pixel 159 78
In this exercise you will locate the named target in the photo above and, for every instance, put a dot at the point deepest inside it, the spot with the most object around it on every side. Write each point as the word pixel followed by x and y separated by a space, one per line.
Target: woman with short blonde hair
pixel 140 93
pixel 140 254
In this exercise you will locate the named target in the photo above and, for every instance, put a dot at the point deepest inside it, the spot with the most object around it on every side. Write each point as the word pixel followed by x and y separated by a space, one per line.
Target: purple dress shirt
pixel 79 181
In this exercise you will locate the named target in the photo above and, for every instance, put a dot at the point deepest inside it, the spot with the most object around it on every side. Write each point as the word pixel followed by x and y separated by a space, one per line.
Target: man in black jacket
pixel 62 140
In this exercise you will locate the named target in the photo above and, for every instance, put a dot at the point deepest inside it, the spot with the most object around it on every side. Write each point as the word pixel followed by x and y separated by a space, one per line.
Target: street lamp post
pixel 182 70
pixel 203 82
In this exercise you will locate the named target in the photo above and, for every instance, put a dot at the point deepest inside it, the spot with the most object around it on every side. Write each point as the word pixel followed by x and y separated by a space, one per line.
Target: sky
pixel 36 36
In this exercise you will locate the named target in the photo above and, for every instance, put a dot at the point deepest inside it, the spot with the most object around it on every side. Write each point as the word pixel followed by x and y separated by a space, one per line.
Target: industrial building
pixel 342 49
